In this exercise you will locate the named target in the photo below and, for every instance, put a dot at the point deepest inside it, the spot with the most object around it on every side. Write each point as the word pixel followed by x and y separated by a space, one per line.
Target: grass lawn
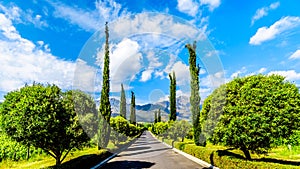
pixel 85 158
pixel 44 161
pixel 280 157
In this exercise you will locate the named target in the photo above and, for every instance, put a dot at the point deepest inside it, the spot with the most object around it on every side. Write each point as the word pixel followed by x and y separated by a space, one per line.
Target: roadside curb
pixel 195 159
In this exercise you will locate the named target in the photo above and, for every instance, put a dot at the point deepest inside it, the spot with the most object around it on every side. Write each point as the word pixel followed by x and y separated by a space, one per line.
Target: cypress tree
pixel 159 116
pixel 155 117
pixel 123 103
pixel 132 109
pixel 172 96
pixel 105 107
pixel 195 97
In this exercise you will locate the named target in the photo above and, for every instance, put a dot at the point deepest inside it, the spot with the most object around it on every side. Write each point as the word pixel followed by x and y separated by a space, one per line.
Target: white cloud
pixel 264 33
pixel 24 62
pixel 212 4
pixel 125 62
pixel 106 11
pixel 189 7
pixel 16 14
pixel 213 81
pixel 238 73
pixel 182 73
pixel 212 53
pixel 261 12
pixel 262 70
pixel 295 55
pixel 146 75
pixel 289 74
pixel 155 23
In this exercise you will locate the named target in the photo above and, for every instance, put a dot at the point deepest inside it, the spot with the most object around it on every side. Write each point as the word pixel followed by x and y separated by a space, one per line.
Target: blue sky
pixel 61 42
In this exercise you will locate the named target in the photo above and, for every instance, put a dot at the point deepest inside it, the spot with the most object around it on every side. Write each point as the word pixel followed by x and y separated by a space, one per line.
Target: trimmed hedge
pixel 227 160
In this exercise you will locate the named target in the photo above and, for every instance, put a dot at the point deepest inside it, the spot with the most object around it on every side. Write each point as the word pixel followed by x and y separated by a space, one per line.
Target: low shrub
pixel 227 160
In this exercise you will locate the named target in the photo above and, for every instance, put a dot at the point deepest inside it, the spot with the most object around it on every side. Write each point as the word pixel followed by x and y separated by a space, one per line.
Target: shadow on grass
pixel 83 162
pixel 268 160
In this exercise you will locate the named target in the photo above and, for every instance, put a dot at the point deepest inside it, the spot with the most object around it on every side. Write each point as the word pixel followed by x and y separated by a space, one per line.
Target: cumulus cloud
pixel 22 61
pixel 264 11
pixel 295 55
pixel 264 33
pixel 189 7
pixel 212 4
pixel 289 74
pixel 146 75
pixel 238 73
pixel 125 62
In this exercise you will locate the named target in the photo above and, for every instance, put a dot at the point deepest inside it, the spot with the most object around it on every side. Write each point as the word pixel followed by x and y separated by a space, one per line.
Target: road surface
pixel 147 152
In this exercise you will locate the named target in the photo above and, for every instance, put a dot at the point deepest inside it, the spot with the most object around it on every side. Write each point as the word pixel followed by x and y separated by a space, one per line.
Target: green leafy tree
pixel 155 117
pixel 132 109
pixel 172 96
pixel 159 116
pixel 85 108
pixel 43 116
pixel 120 129
pixel 195 96
pixel 179 129
pixel 105 107
pixel 123 103
pixel 259 111
pixel 160 128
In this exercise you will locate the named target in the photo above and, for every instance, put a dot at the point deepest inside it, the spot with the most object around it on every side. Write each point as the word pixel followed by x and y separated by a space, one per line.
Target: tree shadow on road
pixel 128 165
pixel 141 152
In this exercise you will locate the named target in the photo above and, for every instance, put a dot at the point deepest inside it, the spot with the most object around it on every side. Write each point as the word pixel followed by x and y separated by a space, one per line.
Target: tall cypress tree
pixel 123 103
pixel 132 109
pixel 155 117
pixel 195 97
pixel 105 107
pixel 159 116
pixel 172 96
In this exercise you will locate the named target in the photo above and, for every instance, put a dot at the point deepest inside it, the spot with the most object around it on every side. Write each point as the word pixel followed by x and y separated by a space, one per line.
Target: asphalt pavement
pixel 147 152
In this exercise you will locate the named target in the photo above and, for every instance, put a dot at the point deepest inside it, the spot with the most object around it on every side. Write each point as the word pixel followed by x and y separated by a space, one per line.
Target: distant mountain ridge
pixel 145 112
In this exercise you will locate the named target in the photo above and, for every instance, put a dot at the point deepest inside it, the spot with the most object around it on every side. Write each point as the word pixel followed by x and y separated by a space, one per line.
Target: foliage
pixel 172 96
pixel 159 116
pixel 195 97
pixel 155 117
pixel 105 107
pixel 132 109
pixel 227 160
pixel 160 128
pixel 44 117
pixel 179 129
pixel 121 129
pixel 259 111
pixel 12 150
pixel 123 103
pixel 85 108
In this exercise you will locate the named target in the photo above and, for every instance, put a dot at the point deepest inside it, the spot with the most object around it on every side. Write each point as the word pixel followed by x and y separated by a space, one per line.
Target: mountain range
pixel 145 112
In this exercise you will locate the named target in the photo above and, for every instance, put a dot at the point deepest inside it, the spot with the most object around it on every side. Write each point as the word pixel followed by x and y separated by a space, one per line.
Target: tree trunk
pixel 182 139
pixel 246 152
pixel 28 152
pixel 58 162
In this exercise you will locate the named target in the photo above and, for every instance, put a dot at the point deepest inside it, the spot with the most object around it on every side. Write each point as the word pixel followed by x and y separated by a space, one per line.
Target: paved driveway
pixel 147 152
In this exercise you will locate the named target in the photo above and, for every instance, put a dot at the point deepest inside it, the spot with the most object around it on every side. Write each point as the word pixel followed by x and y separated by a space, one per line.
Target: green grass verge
pixel 222 157
pixel 83 159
